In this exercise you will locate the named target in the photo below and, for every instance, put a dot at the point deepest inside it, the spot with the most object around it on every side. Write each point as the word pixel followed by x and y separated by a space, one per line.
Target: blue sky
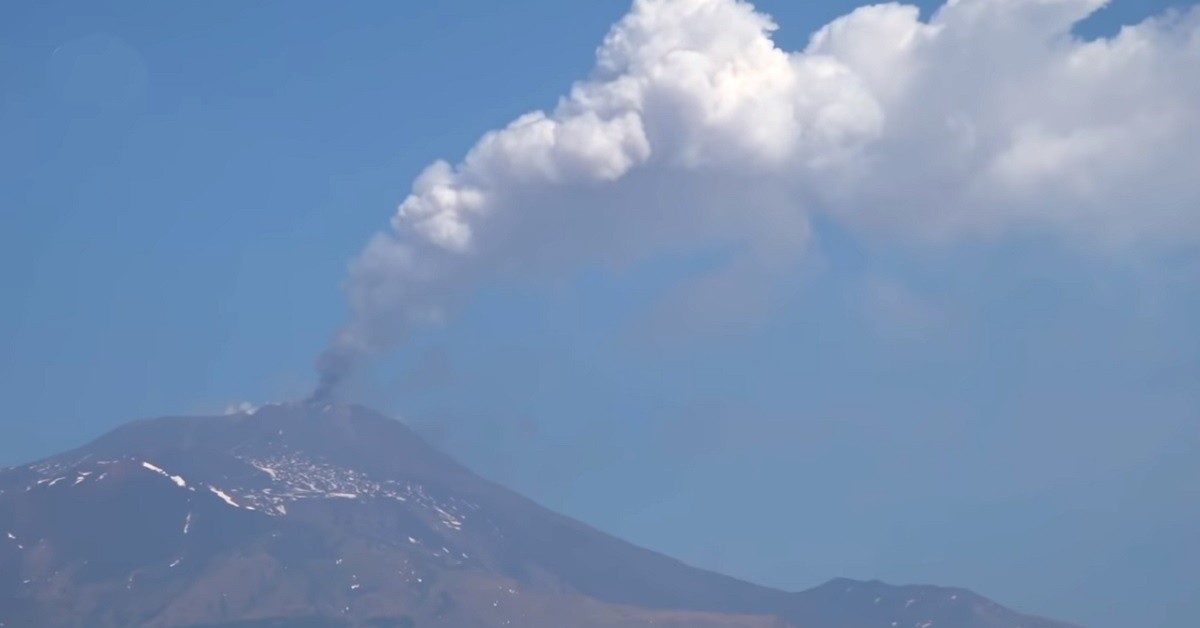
pixel 183 187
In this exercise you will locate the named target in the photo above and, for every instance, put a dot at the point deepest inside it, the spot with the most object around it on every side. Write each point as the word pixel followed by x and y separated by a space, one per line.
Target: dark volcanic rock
pixel 332 515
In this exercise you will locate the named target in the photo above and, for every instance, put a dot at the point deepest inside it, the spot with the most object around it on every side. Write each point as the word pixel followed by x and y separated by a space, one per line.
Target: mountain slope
pixel 334 515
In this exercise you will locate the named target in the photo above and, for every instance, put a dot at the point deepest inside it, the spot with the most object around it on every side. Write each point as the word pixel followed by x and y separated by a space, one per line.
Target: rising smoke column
pixel 696 130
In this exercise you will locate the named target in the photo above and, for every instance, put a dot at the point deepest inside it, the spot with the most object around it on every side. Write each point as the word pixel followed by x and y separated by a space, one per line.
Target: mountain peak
pixel 315 426
pixel 338 515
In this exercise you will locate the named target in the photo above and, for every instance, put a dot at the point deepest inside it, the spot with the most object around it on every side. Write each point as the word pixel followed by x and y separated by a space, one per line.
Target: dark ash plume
pixel 334 366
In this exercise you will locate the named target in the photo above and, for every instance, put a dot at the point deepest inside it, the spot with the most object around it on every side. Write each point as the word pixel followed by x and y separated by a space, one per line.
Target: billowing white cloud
pixel 999 120
pixel 696 130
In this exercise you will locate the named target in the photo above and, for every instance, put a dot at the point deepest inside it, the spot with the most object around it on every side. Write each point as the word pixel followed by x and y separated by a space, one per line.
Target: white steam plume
pixel 695 129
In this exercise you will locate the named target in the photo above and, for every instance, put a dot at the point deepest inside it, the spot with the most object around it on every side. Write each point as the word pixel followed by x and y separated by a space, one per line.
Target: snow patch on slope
pixel 178 480
pixel 224 496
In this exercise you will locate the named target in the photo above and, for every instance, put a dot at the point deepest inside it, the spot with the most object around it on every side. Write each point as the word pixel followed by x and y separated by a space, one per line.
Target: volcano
pixel 330 515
